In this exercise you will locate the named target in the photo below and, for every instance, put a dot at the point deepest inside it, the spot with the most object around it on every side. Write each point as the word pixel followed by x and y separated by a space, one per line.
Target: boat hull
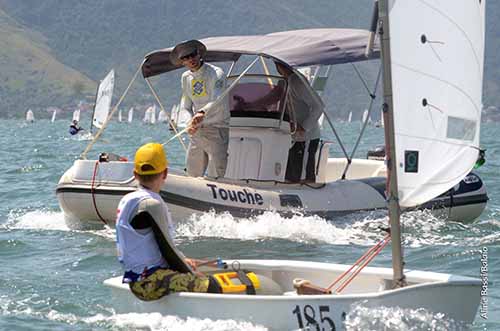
pixel 90 195
pixel 456 297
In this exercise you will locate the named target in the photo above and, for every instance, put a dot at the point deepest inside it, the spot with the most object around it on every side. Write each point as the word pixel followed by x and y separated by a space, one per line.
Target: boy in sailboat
pixel 74 128
pixel 202 84
pixel 145 232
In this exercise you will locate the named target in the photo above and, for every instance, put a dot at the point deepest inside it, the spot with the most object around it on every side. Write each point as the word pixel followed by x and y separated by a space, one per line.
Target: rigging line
pixel 442 81
pixel 363 80
pixel 170 122
pixel 478 62
pixel 101 130
pixel 372 100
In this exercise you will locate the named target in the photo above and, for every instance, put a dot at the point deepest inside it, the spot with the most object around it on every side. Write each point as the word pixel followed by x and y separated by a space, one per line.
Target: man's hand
pixel 193 263
pixel 197 119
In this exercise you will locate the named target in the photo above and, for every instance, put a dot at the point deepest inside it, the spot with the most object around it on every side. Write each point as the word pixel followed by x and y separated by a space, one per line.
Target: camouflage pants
pixel 163 281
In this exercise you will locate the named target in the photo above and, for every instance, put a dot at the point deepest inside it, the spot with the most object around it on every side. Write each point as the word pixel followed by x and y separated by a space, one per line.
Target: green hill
pixel 94 36
pixel 30 74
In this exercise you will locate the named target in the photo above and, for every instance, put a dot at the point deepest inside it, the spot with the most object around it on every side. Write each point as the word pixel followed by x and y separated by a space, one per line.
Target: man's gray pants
pixel 208 145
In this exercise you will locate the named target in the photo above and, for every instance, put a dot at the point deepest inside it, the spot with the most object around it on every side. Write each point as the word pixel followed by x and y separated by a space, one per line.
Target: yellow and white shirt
pixel 200 89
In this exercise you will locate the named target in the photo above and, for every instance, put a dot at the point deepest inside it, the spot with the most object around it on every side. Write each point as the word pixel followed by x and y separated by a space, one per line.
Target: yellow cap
pixel 150 159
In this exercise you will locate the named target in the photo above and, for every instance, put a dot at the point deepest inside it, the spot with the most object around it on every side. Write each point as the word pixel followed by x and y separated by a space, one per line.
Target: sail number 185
pixel 310 318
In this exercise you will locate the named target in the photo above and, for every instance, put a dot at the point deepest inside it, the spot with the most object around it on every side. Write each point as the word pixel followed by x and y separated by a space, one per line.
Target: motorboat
pixel 414 137
pixel 259 144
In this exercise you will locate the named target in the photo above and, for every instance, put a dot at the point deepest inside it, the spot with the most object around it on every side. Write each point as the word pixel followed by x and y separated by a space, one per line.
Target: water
pixel 52 276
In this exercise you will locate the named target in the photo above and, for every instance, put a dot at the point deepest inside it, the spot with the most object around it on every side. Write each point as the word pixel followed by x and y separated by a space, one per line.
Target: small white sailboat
pixel 130 116
pixel 30 117
pixel 53 118
pixel 153 115
pixel 349 118
pixel 149 114
pixel 76 115
pixel 162 116
pixel 119 116
pixel 180 117
pixel 104 97
pixel 430 125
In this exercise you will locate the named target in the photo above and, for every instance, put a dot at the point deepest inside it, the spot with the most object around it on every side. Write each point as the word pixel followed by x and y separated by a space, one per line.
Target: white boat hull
pixel 456 297
pixel 86 199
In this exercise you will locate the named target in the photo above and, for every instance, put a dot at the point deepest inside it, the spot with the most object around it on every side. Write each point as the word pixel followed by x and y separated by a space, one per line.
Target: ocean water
pixel 51 276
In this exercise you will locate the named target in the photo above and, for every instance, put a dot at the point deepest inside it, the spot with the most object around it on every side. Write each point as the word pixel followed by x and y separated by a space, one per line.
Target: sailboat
pixel 76 115
pixel 423 125
pixel 180 117
pixel 53 118
pixel 162 116
pixel 103 100
pixel 120 116
pixel 130 116
pixel 30 117
pixel 148 115
pixel 349 118
pixel 153 115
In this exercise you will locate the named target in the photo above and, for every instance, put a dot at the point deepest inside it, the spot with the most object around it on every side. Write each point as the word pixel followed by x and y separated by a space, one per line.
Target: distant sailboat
pixel 103 100
pixel 76 115
pixel 53 119
pixel 349 119
pixel 163 116
pixel 30 117
pixel 365 116
pixel 120 116
pixel 150 115
pixel 130 115
pixel 153 115
pixel 180 117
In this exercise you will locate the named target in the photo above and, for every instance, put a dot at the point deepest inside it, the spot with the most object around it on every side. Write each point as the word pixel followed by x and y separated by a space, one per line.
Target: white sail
pixel 437 56
pixel 153 115
pixel 30 117
pixel 103 100
pixel 76 115
pixel 130 114
pixel 180 117
pixel 119 115
pixel 365 116
pixel 349 119
pixel 54 113
pixel 148 115
pixel 162 116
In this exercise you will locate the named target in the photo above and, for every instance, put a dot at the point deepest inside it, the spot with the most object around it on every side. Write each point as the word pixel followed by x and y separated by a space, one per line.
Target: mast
pixel 392 182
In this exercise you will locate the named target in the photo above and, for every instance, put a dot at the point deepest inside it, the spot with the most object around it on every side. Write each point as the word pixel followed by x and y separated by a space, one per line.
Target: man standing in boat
pixel 304 107
pixel 144 233
pixel 202 85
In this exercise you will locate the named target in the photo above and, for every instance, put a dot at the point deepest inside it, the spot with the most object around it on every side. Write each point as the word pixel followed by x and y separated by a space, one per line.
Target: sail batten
pixel 437 73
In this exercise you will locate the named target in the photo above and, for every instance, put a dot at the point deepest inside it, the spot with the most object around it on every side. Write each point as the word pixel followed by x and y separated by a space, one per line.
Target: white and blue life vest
pixel 138 251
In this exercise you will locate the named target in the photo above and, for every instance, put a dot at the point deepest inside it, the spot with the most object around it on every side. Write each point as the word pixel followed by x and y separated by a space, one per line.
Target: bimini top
pixel 297 48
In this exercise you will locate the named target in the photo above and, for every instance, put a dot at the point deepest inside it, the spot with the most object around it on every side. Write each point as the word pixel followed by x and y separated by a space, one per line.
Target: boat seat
pixel 259 153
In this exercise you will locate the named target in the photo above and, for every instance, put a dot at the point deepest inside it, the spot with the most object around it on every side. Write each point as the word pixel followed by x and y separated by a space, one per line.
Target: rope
pixel 360 264
pixel 372 96
pixel 170 122
pixel 219 99
pixel 92 192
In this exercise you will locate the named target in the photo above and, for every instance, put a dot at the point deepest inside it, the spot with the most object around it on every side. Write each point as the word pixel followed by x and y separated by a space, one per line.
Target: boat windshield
pixel 258 96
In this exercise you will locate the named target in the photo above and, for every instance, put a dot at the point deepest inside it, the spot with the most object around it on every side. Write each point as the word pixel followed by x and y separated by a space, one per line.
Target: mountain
pixel 30 74
pixel 94 36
